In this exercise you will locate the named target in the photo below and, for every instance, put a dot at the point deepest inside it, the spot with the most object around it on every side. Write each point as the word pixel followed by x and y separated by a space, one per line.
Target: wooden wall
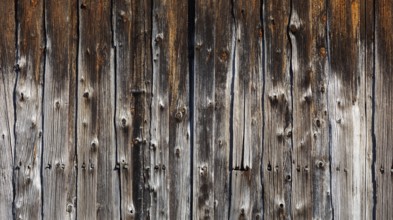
pixel 196 109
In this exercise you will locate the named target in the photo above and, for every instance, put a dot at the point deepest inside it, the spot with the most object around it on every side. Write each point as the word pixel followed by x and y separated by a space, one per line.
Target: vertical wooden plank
pixel 204 81
pixel 246 198
pixel 170 135
pixel 28 95
pixel 7 83
pixel 367 28
pixel 132 40
pixel 97 189
pixel 311 196
pixel 383 99
pixel 213 76
pixel 277 100
pixel 59 157
pixel 350 150
pixel 223 62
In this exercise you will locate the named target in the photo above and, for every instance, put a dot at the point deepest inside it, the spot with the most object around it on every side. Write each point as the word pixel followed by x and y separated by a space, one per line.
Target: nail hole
pixel 269 167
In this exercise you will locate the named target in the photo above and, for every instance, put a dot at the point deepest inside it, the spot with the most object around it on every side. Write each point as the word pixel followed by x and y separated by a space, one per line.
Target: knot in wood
pixel 293 28
pixel 57 104
pixel 137 141
pixel 123 122
pixel 179 116
pixel 320 164
pixel 86 94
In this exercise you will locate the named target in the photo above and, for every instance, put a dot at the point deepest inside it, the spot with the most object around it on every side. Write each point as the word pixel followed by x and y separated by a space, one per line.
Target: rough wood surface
pixel 204 105
pixel 223 67
pixel 97 182
pixel 170 168
pixel 383 99
pixel 59 161
pixel 7 83
pixel 133 83
pixel 277 111
pixel 216 109
pixel 246 185
pixel 350 148
pixel 28 112
pixel 311 196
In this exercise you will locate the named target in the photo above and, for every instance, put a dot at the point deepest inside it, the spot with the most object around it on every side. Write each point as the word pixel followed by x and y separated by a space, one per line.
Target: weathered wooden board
pixel 242 109
pixel 59 161
pixel 349 136
pixel 97 182
pixel 204 97
pixel 170 148
pixel 133 83
pixel 7 84
pixel 277 111
pixel 246 186
pixel 311 196
pixel 223 71
pixel 28 112
pixel 383 111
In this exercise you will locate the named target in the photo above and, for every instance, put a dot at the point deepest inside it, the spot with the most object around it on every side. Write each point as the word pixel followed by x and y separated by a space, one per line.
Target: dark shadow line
pixel 191 56
pixel 17 71
pixel 374 140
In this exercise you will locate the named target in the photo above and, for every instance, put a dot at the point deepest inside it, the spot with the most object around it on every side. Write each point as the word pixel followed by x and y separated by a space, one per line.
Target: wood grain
pixel 170 147
pixel 350 138
pixel 133 83
pixel 223 71
pixel 311 196
pixel 98 184
pixel 383 98
pixel 246 185
pixel 241 109
pixel 277 114
pixel 204 102
pixel 7 120
pixel 28 112
pixel 59 156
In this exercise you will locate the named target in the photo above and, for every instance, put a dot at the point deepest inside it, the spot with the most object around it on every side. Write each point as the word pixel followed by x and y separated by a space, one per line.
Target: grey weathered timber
pixel 212 84
pixel 59 158
pixel 246 186
pixel 133 80
pixel 223 63
pixel 277 111
pixel 349 136
pixel 170 168
pixel 383 117
pixel 7 83
pixel 215 109
pixel 28 112
pixel 204 105
pixel 367 13
pixel 97 182
pixel 311 196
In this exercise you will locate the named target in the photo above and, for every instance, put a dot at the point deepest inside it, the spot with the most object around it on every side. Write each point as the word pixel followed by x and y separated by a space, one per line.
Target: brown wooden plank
pixel 212 87
pixel 28 95
pixel 246 195
pixel 169 180
pixel 59 156
pixel 367 18
pixel 350 145
pixel 204 97
pixel 132 40
pixel 383 99
pixel 97 189
pixel 7 83
pixel 277 142
pixel 311 196
pixel 223 63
